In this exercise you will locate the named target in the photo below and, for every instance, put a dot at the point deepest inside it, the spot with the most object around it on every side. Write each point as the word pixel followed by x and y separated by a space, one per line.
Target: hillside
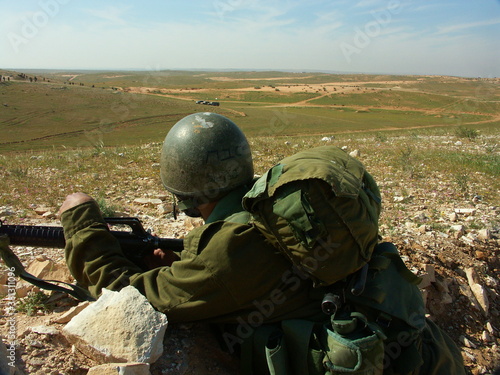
pixel 82 109
pixel 431 143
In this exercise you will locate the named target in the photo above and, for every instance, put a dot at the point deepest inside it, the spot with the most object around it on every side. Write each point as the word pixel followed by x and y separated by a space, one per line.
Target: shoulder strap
pixel 391 288
pixel 13 262
pixel 389 250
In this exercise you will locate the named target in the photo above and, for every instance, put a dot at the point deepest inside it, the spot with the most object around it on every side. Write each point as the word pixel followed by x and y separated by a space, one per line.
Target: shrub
pixel 407 161
pixel 106 209
pixel 33 303
pixel 379 137
pixel 462 181
pixel 464 132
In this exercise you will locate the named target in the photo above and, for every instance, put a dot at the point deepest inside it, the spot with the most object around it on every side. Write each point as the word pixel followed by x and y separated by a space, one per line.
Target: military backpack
pixel 320 208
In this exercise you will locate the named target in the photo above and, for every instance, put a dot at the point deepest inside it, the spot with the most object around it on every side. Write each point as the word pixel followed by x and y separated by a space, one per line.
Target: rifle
pixel 135 245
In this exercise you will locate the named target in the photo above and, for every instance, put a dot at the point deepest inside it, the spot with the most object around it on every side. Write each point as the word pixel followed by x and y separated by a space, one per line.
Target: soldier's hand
pixel 160 258
pixel 74 200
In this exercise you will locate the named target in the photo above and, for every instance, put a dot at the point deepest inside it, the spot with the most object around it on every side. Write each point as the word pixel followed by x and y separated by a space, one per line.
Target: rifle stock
pixel 135 244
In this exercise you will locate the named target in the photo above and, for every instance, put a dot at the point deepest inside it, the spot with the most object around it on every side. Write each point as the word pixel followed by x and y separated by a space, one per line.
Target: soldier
pixel 231 275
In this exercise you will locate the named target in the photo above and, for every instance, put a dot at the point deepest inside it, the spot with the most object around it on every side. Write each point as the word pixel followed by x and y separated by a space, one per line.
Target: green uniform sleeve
pixel 226 271
pixel 93 254
pixel 188 291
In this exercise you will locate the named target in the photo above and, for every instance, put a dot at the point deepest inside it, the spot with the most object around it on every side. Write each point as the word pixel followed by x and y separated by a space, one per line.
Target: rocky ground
pixel 448 234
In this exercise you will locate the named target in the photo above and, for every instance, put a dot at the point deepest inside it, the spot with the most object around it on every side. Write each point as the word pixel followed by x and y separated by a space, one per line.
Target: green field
pixel 84 109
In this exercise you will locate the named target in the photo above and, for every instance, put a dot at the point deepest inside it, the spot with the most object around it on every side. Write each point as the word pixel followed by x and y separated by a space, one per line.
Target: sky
pixel 442 37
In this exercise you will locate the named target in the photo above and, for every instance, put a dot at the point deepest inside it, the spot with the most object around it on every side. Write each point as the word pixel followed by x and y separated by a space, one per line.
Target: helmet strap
pixel 174 206
pixel 189 207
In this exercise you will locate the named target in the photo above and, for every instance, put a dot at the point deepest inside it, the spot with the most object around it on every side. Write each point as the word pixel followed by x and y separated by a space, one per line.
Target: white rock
pixel 467 342
pixel 71 313
pixel 476 198
pixel 467 240
pixel 490 328
pixel 355 153
pixel 466 211
pixel 41 210
pixel 148 201
pixel 49 215
pixel 420 216
pixel 423 228
pixel 36 344
pixel 486 336
pixel 7 211
pixel 472 276
pixel 442 234
pixel 491 281
pixel 458 229
pixel 50 270
pixel 164 208
pixel 478 290
pixel 409 225
pixel 45 330
pixel 484 234
pixel 119 327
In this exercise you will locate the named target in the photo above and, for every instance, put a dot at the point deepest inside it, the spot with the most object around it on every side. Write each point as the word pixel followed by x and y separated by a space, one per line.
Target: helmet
pixel 204 156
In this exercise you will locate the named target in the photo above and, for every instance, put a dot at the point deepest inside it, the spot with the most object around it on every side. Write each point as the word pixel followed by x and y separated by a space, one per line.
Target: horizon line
pixel 319 71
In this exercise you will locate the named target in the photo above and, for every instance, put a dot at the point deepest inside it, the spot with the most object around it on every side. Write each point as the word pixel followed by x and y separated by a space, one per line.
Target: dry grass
pixel 421 161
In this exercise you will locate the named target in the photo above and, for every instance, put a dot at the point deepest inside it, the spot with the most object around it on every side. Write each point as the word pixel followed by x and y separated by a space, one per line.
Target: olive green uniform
pixel 227 273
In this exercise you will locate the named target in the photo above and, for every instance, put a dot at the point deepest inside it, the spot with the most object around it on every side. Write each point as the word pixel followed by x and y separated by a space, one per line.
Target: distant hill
pixel 53 108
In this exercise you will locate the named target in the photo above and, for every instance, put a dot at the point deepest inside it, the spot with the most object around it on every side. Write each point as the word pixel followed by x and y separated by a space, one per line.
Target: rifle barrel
pixel 132 243
pixel 31 235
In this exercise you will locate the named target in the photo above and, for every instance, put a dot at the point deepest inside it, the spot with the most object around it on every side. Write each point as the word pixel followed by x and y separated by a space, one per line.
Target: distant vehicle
pixel 207 103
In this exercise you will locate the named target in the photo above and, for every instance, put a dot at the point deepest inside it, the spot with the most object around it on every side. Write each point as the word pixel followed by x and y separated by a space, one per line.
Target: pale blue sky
pixel 450 37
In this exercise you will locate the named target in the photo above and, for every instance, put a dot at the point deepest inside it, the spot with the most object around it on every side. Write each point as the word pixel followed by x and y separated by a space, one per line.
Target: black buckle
pixel 331 303
pixel 384 320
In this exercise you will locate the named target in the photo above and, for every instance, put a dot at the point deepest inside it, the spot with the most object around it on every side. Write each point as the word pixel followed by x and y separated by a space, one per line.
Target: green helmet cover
pixel 204 156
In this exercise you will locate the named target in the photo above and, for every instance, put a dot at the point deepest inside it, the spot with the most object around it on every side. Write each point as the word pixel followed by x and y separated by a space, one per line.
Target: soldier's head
pixel 204 156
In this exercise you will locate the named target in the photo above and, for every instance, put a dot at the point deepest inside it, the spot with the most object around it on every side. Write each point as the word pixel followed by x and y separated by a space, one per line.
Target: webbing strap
pixel 297 337
pixel 13 262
